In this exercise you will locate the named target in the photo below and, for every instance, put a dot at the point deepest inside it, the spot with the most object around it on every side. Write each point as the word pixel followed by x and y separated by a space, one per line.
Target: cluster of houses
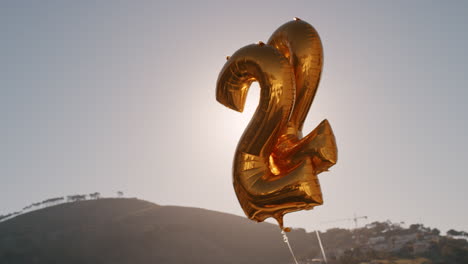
pixel 416 242
pixel 388 238
pixel 55 201
pixel 413 241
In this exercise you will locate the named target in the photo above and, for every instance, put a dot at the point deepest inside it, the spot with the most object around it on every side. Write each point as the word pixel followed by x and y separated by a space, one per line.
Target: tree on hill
pixel 52 201
pixel 95 195
pixel 76 197
pixel 449 250
pixel 379 227
pixel 71 198
pixel 453 232
pixel 58 199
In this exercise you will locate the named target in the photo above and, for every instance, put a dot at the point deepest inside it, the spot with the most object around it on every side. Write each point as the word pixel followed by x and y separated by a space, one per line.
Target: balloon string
pixel 286 240
pixel 321 247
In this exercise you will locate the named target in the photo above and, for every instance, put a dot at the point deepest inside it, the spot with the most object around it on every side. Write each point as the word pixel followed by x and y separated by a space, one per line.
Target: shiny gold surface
pixel 275 168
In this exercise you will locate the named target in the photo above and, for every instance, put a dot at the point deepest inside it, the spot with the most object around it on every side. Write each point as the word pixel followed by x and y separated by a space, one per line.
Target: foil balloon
pixel 275 168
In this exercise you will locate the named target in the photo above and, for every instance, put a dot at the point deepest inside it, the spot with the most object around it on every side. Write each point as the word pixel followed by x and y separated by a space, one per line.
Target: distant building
pixel 420 246
pixel 382 247
pixel 375 240
pixel 400 241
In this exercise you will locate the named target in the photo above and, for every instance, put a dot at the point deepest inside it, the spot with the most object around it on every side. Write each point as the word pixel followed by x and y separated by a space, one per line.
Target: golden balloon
pixel 275 168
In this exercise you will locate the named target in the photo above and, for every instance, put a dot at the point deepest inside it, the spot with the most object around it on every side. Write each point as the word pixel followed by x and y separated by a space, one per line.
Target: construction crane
pixel 355 219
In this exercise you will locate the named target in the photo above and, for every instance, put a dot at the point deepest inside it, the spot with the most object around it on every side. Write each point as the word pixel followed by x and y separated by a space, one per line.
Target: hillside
pixel 124 231
pixel 135 231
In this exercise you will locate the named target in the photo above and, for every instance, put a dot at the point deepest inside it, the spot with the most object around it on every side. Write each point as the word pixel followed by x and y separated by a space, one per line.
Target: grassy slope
pixel 135 231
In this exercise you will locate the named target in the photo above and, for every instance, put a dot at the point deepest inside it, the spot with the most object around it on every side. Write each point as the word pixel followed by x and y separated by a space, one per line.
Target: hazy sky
pixel 120 95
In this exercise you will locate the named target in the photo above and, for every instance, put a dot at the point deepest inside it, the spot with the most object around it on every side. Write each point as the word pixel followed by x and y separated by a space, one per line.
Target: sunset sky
pixel 120 95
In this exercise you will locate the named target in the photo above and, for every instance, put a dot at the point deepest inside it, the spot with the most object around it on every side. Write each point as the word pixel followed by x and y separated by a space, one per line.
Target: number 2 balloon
pixel 275 168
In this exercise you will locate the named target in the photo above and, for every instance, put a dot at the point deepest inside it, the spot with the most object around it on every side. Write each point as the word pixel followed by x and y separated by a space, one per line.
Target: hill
pixel 135 231
pixel 124 231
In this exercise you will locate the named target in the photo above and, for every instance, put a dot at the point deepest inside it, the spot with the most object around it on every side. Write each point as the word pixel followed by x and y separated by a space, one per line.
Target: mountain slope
pixel 136 231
